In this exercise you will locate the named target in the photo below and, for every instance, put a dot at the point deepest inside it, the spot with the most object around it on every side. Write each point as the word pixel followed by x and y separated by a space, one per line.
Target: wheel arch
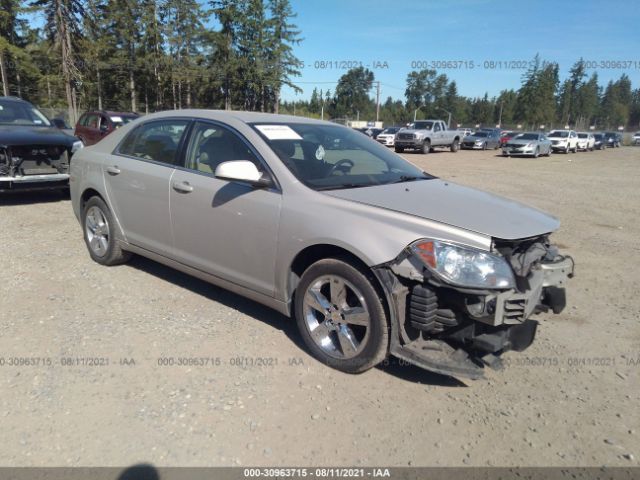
pixel 87 194
pixel 313 253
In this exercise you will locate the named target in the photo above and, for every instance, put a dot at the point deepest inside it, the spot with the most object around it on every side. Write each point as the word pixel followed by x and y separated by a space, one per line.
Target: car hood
pixel 456 205
pixel 474 138
pixel 26 135
pixel 520 141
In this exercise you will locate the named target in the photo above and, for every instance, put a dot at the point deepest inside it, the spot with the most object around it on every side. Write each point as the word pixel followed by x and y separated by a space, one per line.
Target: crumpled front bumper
pixel 483 325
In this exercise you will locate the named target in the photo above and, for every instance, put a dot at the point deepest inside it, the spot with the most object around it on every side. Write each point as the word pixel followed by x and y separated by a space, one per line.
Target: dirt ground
pixel 100 389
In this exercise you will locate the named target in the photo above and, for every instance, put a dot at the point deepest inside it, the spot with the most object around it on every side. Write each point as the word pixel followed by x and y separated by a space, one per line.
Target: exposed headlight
pixel 463 266
pixel 76 146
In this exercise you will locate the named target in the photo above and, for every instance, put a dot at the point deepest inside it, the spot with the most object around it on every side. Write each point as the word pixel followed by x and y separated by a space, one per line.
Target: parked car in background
pixel 61 124
pixel 600 141
pixel 93 126
pixel 613 139
pixel 424 135
pixel 34 154
pixel 368 253
pixel 482 140
pixel 528 143
pixel 388 136
pixel 586 141
pixel 636 139
pixel 464 132
pixel 508 135
pixel 564 141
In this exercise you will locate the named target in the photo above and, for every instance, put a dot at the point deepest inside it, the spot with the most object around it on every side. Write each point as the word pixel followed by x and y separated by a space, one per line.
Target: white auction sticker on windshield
pixel 320 153
pixel 278 132
pixel 116 119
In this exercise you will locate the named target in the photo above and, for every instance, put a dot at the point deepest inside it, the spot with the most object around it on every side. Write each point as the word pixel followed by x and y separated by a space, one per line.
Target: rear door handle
pixel 182 187
pixel 114 170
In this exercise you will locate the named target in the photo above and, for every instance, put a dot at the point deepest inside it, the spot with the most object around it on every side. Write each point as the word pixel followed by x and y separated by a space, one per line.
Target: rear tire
pixel 100 229
pixel 341 316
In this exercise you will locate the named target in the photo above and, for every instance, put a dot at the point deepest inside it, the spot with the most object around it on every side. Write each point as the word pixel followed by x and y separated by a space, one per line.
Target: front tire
pixel 426 147
pixel 99 230
pixel 399 149
pixel 341 316
pixel 455 146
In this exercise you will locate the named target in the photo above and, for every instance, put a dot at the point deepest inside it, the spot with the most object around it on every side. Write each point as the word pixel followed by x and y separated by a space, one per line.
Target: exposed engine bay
pixel 457 330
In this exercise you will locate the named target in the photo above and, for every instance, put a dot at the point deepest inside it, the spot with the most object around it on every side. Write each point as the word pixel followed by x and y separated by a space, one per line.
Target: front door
pixel 228 229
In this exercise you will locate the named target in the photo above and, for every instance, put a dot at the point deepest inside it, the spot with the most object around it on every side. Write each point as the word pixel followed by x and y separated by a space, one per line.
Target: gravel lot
pixel 571 399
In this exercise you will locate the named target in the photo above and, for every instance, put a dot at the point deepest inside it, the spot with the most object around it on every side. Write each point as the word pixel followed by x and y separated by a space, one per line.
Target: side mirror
pixel 59 123
pixel 103 127
pixel 242 171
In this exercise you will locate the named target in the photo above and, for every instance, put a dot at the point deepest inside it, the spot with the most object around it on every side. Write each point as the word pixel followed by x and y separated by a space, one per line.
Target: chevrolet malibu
pixel 368 253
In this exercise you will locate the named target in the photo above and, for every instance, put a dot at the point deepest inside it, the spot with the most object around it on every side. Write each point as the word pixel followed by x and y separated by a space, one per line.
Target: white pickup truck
pixel 423 135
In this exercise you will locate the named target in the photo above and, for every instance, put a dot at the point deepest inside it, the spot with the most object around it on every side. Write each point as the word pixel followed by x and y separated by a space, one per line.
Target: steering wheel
pixel 343 165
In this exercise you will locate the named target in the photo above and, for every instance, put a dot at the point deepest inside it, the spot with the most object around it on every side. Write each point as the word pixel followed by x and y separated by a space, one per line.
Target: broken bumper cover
pixel 458 332
pixel 34 182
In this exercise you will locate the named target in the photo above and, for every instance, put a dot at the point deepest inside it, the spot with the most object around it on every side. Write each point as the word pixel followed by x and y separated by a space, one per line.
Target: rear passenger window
pixel 157 141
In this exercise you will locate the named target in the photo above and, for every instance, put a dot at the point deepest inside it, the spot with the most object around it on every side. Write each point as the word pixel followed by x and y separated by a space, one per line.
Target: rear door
pixel 225 228
pixel 138 176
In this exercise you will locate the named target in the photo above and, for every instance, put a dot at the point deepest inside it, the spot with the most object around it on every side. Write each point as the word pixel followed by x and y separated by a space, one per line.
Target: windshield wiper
pixel 407 178
pixel 342 185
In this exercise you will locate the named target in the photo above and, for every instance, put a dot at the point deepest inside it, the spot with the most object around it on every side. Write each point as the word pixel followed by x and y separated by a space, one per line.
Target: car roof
pixel 14 99
pixel 110 112
pixel 245 117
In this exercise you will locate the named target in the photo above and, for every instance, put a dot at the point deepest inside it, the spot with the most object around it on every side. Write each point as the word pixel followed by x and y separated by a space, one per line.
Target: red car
pixel 506 136
pixel 95 125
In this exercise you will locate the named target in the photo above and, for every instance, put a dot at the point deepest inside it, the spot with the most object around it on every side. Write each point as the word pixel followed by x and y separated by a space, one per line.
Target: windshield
pixel 421 125
pixel 527 136
pixel 19 113
pixel 480 134
pixel 583 135
pixel 559 133
pixel 326 157
pixel 390 130
pixel 120 120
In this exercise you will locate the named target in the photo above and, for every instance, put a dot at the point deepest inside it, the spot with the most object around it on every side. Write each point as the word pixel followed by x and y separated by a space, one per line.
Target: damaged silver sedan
pixel 371 256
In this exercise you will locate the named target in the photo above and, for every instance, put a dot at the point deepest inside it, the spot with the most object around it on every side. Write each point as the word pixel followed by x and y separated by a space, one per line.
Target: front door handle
pixel 182 187
pixel 114 170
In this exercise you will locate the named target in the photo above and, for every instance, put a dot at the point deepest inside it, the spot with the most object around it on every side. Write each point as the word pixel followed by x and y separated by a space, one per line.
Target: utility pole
pixel 500 118
pixel 377 100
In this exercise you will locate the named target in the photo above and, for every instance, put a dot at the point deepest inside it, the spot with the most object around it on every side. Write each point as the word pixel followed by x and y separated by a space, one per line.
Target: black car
pixel 601 141
pixel 34 154
pixel 613 139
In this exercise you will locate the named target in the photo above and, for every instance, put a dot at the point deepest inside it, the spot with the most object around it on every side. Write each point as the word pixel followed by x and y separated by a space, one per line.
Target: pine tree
pixel 62 25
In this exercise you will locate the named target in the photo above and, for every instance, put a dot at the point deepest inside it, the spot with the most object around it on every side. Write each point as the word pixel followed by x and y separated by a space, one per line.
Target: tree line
pixel 542 99
pixel 148 55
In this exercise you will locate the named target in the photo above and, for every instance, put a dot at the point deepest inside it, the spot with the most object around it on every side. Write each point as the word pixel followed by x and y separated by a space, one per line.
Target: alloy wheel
pixel 97 231
pixel 336 316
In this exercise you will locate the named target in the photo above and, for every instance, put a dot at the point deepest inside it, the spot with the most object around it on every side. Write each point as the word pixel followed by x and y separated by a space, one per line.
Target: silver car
pixel 528 143
pixel 371 256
